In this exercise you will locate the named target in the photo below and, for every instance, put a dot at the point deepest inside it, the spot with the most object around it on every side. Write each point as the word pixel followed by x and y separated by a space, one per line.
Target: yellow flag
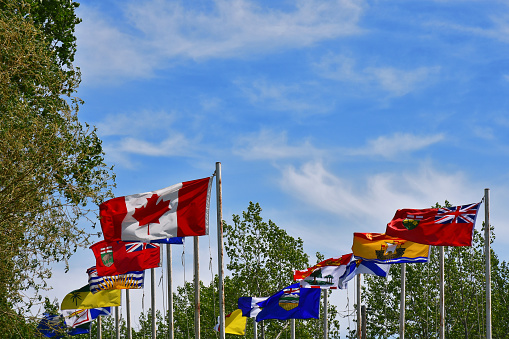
pixel 234 323
pixel 84 299
pixel 385 249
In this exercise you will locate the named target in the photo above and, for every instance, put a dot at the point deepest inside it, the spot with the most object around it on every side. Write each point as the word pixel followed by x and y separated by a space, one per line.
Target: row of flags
pixel 407 239
pixel 134 227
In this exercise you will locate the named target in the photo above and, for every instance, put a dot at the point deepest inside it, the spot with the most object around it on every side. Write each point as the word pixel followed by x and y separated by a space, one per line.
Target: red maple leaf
pixel 151 212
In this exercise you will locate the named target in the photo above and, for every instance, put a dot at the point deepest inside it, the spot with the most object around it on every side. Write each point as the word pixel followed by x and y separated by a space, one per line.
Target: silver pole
pixel 196 290
pixel 117 323
pixel 128 314
pixel 325 314
pixel 442 294
pixel 170 292
pixel 255 329
pixel 99 329
pixel 292 328
pixel 487 252
pixel 220 249
pixel 359 316
pixel 153 300
pixel 402 303
pixel 363 311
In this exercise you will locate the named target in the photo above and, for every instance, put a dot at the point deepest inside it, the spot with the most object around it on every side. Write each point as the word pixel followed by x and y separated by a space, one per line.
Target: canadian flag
pixel 180 210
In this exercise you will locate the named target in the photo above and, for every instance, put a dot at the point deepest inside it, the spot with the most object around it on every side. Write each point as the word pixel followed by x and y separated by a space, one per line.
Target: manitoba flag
pixel 448 226
pixel 180 210
pixel 118 257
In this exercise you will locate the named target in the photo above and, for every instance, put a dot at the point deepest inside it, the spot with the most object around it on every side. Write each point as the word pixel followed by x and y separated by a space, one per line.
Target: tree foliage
pixel 52 166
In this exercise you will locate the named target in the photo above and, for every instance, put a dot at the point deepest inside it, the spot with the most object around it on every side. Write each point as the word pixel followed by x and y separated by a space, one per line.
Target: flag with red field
pixel 447 226
pixel 118 257
pixel 180 210
pixel 325 274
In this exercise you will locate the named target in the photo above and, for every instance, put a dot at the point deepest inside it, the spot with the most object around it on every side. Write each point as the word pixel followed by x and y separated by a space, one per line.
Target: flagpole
pixel 170 291
pixel 153 300
pixel 292 328
pixel 220 249
pixel 117 326
pixel 128 314
pixel 402 304
pixel 99 329
pixel 255 329
pixel 196 290
pixel 442 293
pixel 359 321
pixel 487 253
pixel 325 314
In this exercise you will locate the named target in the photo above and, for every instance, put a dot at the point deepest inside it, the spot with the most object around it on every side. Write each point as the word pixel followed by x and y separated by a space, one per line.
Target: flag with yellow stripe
pixel 385 249
pixel 84 299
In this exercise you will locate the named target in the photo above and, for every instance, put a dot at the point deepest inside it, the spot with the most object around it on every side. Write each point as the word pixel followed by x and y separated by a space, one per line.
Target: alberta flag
pixel 180 210
pixel 358 266
pixel 448 226
pixel 291 302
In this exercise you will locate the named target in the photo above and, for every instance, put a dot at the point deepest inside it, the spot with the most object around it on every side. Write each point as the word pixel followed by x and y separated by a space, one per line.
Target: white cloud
pixel 268 145
pixel 391 146
pixel 380 195
pixel 396 81
pixel 160 31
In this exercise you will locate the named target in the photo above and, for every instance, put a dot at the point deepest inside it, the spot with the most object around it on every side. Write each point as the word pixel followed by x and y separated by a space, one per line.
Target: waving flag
pixel 74 318
pixel 180 210
pixel 448 226
pixel 129 280
pixel 83 298
pixel 234 323
pixel 291 302
pixel 385 249
pixel 358 266
pixel 249 306
pixel 170 241
pixel 118 257
pixel 325 274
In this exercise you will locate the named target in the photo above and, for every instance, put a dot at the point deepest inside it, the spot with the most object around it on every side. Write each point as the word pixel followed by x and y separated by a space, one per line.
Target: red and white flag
pixel 325 274
pixel 180 210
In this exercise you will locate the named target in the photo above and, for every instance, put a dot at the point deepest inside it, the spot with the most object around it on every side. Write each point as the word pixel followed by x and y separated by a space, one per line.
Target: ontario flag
pixel 118 257
pixel 447 226
pixel 180 210
pixel 325 274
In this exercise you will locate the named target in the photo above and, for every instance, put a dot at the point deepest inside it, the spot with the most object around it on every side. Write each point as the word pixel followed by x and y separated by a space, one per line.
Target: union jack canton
pixel 465 214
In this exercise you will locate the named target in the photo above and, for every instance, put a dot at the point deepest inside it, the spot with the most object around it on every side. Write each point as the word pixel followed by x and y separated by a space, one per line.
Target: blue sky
pixel 331 114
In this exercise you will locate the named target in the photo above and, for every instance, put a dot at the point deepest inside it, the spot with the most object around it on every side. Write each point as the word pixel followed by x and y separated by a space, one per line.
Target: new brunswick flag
pixel 83 299
pixel 384 249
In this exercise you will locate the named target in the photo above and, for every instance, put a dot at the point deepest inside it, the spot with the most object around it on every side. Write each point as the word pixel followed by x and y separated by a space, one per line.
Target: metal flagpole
pixel 402 303
pixel 117 323
pixel 153 300
pixel 220 249
pixel 170 292
pixel 363 311
pixel 196 290
pixel 487 253
pixel 442 294
pixel 128 314
pixel 325 314
pixel 359 321
pixel 99 329
pixel 255 329
pixel 292 328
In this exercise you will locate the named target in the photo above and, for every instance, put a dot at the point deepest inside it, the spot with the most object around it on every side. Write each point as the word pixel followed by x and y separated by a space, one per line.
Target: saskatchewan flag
pixel 83 299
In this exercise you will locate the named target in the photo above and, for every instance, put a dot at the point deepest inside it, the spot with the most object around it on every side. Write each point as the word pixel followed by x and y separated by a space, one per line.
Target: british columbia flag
pixel 464 214
pixel 138 246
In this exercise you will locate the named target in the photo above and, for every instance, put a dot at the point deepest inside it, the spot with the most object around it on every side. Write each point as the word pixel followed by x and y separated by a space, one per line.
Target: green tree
pixel 52 166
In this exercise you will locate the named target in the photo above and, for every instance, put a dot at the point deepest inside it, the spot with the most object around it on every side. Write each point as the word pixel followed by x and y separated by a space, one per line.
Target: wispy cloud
pixel 396 144
pixel 162 31
pixel 396 81
pixel 269 145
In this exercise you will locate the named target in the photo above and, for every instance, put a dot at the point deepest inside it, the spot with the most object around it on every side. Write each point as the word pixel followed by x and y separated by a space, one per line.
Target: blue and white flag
pixel 129 280
pixel 172 241
pixel 249 306
pixel 75 318
pixel 358 266
pixel 291 302
pixel 51 326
